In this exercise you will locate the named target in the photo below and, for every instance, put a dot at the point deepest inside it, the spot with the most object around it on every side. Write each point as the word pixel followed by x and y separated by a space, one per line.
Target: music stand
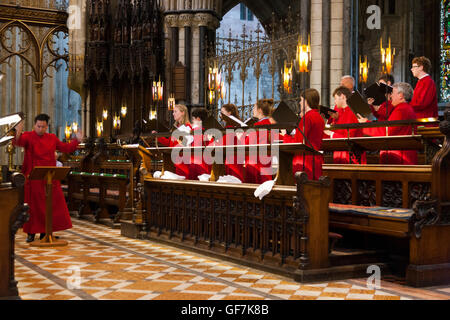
pixel 49 174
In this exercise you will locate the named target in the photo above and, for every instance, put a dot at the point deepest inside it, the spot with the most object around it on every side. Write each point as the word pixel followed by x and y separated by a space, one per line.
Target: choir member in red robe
pixel 380 111
pixel 40 148
pixel 259 169
pixel 181 117
pixel 233 165
pixel 345 115
pixel 424 101
pixel 401 94
pixel 198 166
pixel 311 126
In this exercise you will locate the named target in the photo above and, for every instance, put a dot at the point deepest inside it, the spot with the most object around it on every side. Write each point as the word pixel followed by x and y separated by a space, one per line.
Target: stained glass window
pixel 445 50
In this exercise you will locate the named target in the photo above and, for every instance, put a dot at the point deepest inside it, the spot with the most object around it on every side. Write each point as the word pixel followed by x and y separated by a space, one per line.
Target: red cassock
pixel 346 116
pixel 256 171
pixel 405 157
pixel 40 151
pixel 181 169
pixel 424 102
pixel 233 164
pixel 381 113
pixel 381 116
pixel 313 125
pixel 198 165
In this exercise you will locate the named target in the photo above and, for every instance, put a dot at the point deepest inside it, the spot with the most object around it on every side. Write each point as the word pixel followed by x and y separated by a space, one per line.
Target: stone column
pixel 204 21
pixel 336 44
pixel 316 44
pixel 186 21
pixel 326 53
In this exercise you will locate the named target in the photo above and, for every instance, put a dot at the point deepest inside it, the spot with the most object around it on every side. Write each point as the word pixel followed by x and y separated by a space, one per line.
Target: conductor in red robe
pixel 424 101
pixel 401 94
pixel 309 132
pixel 40 148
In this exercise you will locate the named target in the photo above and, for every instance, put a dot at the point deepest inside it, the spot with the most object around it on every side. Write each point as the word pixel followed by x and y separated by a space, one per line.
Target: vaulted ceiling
pixel 263 8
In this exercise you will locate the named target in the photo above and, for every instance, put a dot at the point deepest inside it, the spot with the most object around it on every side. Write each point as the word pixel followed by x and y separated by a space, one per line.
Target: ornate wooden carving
pixel 425 214
pixel 441 173
pixel 367 193
pixel 124 55
pixel 342 191
pixel 14 215
pixel 392 194
pixel 419 191
pixel 229 219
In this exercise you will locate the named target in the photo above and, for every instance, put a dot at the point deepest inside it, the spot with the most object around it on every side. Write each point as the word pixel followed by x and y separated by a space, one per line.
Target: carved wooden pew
pixel 101 181
pixel 226 220
pixel 13 216
pixel 413 208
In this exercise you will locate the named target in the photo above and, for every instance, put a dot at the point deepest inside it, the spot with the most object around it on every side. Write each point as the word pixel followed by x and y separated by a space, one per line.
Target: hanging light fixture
pixel 99 128
pixel 116 122
pixel 287 77
pixel 123 111
pixel 171 102
pixel 158 90
pixel 74 127
pixel 105 114
pixel 67 132
pixel 363 69
pixel 303 55
pixel 387 57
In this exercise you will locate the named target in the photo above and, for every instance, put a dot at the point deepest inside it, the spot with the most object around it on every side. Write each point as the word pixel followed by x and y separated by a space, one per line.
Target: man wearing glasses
pixel 424 101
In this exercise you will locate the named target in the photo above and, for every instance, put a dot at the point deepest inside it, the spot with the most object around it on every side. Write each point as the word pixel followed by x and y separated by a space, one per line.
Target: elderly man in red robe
pixel 401 94
pixel 424 101
pixel 40 148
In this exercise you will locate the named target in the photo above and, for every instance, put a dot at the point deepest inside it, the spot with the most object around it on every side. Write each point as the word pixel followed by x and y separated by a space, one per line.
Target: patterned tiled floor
pixel 100 264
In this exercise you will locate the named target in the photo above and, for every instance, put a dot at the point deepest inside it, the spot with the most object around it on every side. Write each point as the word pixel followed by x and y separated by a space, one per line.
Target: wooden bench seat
pixel 394 222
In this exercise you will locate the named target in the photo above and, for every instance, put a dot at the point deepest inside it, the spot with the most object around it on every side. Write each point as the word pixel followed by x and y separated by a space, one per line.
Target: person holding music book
pixel 198 166
pixel 181 117
pixel 401 94
pixel 379 97
pixel 309 132
pixel 259 169
pixel 234 165
pixel 345 115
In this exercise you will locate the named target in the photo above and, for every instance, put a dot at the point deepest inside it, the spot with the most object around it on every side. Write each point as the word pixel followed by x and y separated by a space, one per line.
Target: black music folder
pixel 378 92
pixel 284 114
pixel 325 111
pixel 211 123
pixel 359 105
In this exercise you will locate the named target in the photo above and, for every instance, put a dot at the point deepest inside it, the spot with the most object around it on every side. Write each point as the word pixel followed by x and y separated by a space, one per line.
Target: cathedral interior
pixel 116 72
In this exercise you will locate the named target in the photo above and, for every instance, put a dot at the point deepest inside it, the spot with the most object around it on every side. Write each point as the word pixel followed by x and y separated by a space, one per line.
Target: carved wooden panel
pixel 367 193
pixel 392 194
pixel 342 191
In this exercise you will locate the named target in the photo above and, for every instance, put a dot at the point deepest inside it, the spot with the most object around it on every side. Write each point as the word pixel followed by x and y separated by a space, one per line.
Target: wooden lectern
pixel 49 174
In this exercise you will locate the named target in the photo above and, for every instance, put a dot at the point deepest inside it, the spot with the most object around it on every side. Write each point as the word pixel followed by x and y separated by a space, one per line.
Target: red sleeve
pixel 66 147
pixel 23 140
pixel 381 113
pixel 423 94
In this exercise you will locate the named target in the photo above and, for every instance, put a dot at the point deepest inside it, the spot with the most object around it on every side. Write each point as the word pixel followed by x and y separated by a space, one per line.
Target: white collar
pixel 424 76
